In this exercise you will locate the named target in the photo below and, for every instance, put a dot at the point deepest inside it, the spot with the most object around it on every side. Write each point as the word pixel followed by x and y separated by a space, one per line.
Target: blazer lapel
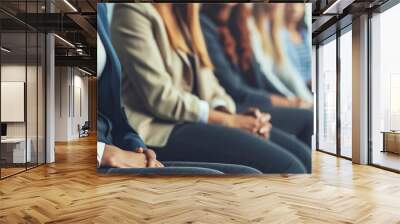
pixel 184 57
pixel 188 72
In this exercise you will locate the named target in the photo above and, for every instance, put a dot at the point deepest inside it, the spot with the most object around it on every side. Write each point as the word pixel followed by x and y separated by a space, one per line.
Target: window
pixel 346 94
pixel 385 89
pixel 327 97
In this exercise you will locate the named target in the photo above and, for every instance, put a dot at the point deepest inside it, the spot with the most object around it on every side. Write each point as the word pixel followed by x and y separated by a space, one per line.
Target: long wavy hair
pixel 239 29
pixel 190 13
pixel 301 23
pixel 219 13
pixel 271 41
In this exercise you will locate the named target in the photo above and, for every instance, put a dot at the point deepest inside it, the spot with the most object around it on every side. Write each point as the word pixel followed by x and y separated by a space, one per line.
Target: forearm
pixel 218 117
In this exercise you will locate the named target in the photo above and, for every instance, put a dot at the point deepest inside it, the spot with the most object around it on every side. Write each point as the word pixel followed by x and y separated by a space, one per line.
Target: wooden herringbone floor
pixel 70 191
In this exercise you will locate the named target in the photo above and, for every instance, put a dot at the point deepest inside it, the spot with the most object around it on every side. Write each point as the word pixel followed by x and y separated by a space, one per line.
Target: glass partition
pixel 327 96
pixel 22 89
pixel 14 151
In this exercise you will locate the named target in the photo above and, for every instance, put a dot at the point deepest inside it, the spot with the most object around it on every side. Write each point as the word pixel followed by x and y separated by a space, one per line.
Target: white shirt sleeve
pixel 100 152
pixel 101 56
pixel 218 103
pixel 204 111
pixel 205 108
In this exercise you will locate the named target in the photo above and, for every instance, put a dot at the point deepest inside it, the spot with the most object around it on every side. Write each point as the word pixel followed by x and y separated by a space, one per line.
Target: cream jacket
pixel 157 80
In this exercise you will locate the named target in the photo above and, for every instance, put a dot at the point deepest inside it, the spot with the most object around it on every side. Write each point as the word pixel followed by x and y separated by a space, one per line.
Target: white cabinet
pixel 13 150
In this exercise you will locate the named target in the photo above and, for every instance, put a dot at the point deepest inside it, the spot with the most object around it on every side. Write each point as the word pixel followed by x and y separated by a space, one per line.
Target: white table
pixel 16 146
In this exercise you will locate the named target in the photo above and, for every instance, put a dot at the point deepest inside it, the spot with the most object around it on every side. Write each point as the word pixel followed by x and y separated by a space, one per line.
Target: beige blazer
pixel 157 81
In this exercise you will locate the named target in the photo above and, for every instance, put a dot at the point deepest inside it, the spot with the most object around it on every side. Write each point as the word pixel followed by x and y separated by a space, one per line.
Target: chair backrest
pixel 86 125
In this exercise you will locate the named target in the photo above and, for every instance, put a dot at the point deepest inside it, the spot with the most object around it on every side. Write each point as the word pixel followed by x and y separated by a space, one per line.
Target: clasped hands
pixel 253 121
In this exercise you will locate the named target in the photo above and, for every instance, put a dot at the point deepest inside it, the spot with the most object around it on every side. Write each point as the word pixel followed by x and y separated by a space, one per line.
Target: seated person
pixel 240 75
pixel 296 36
pixel 173 99
pixel 119 146
pixel 265 25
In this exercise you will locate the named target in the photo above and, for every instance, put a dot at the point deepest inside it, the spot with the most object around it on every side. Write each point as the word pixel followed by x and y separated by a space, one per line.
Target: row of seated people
pixel 195 97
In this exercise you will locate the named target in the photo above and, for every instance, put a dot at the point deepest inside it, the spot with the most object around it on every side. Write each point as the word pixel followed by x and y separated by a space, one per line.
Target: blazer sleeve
pixel 144 69
pixel 219 93
pixel 103 129
pixel 228 77
pixel 126 138
pixel 120 134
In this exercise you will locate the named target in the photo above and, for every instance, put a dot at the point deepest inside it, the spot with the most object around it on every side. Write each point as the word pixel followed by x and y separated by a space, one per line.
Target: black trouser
pixel 196 142
pixel 298 122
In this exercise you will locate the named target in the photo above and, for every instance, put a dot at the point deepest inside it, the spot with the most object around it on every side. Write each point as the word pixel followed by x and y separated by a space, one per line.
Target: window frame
pixel 334 37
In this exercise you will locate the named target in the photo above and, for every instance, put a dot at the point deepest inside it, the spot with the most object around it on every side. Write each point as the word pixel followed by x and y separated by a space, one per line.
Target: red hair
pixel 232 27
pixel 219 14
pixel 240 32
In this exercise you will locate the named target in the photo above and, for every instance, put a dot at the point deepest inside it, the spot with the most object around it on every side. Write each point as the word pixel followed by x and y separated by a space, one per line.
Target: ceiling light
pixel 65 41
pixel 70 5
pixel 84 71
pixel 337 7
pixel 326 11
pixel 79 51
pixel 5 50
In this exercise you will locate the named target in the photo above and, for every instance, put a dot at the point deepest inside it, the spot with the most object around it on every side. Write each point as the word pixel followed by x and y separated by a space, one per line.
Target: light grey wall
pixel 71 87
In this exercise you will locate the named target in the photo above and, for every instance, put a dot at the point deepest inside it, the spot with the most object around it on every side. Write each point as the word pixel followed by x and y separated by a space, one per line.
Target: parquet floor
pixel 70 191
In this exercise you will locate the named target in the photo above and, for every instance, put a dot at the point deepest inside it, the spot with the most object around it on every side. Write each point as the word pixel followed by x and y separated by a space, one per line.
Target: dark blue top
pixel 228 74
pixel 113 127
pixel 299 54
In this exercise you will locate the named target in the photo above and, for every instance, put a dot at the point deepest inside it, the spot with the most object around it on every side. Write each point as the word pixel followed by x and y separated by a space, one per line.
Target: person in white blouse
pixel 266 25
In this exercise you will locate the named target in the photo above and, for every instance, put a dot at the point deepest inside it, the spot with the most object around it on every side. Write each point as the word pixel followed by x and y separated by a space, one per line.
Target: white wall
pixel 13 100
pixel 15 73
pixel 61 104
pixel 71 94
pixel 80 111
